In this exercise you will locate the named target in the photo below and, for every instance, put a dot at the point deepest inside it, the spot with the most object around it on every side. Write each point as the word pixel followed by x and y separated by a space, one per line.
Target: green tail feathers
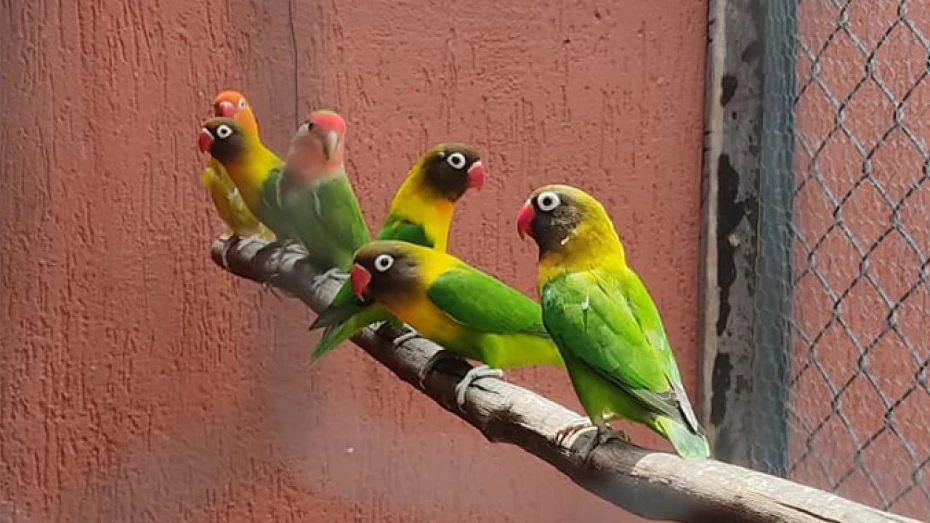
pixel 343 328
pixel 687 443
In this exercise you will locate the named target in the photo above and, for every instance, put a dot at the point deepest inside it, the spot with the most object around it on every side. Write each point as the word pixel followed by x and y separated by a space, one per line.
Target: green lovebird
pixel 317 197
pixel 604 321
pixel 420 213
pixel 455 305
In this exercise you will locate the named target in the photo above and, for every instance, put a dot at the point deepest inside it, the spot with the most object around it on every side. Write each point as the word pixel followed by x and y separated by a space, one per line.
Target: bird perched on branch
pixel 456 306
pixel 420 213
pixel 226 198
pixel 316 195
pixel 254 168
pixel 605 323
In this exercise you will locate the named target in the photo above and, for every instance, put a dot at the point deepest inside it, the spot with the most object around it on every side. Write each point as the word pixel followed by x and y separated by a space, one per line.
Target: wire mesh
pixel 858 397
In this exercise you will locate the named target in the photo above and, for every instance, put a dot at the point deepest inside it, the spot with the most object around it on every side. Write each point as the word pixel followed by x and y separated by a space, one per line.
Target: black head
pixel 551 215
pixel 223 138
pixel 384 267
pixel 450 169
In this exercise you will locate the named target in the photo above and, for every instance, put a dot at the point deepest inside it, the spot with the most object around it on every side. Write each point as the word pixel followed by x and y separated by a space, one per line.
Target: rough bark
pixel 654 485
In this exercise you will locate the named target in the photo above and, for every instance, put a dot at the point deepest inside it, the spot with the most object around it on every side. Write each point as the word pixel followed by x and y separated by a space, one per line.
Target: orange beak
pixel 204 140
pixel 476 174
pixel 360 280
pixel 525 220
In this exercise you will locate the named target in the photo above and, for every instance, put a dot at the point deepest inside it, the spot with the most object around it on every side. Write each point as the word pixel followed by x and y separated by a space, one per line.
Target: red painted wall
pixel 138 382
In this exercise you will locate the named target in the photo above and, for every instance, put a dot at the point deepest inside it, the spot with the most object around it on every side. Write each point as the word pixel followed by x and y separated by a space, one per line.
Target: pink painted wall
pixel 138 382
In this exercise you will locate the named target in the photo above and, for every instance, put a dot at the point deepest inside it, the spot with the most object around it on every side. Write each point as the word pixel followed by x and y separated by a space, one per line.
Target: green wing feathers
pixel 328 220
pixel 612 326
pixel 513 312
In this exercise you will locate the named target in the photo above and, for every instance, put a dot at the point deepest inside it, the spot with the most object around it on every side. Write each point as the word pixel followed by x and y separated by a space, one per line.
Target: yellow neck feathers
pixel 416 203
pixel 593 244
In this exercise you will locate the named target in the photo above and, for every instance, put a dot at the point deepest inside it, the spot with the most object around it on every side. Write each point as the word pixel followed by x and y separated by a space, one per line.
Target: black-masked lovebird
pixel 604 322
pixel 226 198
pixel 455 305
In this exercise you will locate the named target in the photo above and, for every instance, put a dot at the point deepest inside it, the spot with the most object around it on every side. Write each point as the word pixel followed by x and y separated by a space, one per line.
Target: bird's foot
pixel 562 435
pixel 476 373
pixel 332 274
pixel 405 337
pixel 604 434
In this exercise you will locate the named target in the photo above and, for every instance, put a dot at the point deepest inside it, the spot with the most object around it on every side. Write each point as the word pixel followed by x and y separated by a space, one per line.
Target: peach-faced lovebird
pixel 455 305
pixel 226 198
pixel 317 197
pixel 604 321
pixel 420 213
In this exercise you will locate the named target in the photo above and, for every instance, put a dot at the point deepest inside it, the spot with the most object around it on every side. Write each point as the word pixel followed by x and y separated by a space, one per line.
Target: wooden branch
pixel 654 485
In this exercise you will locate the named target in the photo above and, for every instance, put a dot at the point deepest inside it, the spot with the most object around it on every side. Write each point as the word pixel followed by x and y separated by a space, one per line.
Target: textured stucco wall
pixel 138 382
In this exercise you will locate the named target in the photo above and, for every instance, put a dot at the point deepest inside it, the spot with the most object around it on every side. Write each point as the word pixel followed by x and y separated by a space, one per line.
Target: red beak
pixel 225 108
pixel 204 140
pixel 360 280
pixel 525 220
pixel 476 174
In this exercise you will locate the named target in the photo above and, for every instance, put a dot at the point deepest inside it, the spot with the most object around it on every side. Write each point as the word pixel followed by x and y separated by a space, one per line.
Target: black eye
pixel 242 103
pixel 309 125
pixel 223 132
pixel 456 161
pixel 383 262
pixel 547 201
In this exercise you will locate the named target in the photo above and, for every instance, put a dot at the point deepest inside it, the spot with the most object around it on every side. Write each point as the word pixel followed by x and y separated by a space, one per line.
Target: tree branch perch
pixel 654 485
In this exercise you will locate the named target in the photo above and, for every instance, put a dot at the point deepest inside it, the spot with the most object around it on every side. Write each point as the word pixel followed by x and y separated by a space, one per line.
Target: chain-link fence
pixel 858 400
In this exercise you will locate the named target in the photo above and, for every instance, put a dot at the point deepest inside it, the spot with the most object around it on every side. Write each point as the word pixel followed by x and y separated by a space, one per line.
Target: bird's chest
pixel 426 318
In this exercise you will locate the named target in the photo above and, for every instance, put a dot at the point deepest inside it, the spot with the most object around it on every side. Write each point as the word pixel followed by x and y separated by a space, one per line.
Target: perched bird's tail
pixel 342 323
pixel 687 443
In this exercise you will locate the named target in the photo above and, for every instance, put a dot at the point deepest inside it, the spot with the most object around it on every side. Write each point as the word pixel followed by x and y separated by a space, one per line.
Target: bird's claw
pixel 604 434
pixel 476 373
pixel 404 338
pixel 566 432
pixel 334 274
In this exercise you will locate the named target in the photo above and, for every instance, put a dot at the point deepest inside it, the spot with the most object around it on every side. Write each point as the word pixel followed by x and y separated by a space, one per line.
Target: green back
pixel 270 212
pixel 592 321
pixel 485 304
pixel 327 218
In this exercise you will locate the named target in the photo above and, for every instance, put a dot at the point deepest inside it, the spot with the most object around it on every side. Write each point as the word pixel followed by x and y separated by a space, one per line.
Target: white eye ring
pixel 223 132
pixel 242 103
pixel 456 160
pixel 548 201
pixel 383 262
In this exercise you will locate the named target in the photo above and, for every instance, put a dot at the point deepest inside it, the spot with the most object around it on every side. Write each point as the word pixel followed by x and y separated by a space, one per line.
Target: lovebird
pixel 455 305
pixel 420 213
pixel 317 197
pixel 604 322
pixel 254 169
pixel 229 204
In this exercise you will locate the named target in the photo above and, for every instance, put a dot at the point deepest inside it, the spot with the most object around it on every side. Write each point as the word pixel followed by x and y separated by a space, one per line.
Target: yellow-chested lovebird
pixel 420 213
pixel 254 168
pixel 455 305
pixel 604 321
pixel 226 198
pixel 317 197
